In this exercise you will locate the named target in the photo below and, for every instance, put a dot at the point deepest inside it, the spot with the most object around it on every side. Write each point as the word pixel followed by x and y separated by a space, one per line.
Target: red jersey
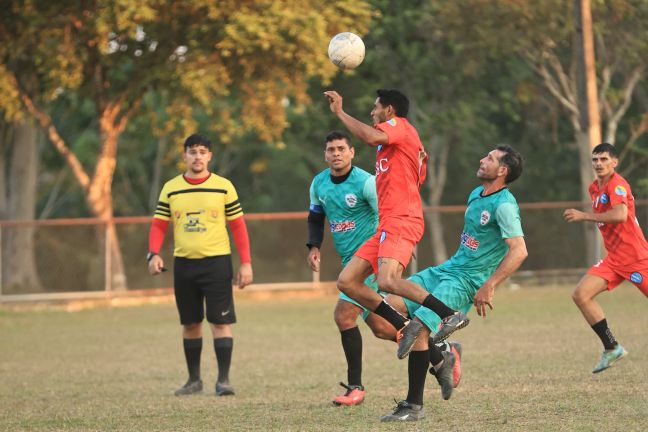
pixel 624 242
pixel 400 172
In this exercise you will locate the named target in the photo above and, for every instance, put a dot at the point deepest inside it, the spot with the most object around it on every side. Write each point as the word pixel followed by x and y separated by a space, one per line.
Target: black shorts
pixel 200 282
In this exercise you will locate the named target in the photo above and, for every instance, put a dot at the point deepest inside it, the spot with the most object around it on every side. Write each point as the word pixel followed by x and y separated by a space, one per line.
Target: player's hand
pixel 573 215
pixel 314 259
pixel 244 276
pixel 156 265
pixel 335 101
pixel 483 298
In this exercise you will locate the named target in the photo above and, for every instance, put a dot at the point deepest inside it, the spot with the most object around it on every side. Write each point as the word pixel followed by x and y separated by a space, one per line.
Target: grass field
pixel 526 368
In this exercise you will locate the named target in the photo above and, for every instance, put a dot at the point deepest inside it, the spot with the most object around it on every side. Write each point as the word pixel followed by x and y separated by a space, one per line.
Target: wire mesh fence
pixel 56 257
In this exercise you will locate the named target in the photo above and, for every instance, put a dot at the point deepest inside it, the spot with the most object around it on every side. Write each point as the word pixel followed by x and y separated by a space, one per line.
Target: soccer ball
pixel 346 50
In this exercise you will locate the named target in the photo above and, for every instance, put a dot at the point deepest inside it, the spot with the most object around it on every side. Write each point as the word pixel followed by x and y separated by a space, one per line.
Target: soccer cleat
pixel 449 325
pixel 445 375
pixel 406 337
pixel 190 387
pixel 224 389
pixel 455 348
pixel 353 396
pixel 405 411
pixel 609 357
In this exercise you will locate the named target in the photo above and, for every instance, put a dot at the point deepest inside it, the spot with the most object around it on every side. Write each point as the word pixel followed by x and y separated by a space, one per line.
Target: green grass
pixel 526 368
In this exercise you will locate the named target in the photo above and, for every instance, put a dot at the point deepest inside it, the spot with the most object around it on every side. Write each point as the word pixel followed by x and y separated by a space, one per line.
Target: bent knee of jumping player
pixel 346 315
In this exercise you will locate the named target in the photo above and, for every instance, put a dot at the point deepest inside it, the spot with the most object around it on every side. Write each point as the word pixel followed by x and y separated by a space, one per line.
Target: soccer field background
pixel 527 367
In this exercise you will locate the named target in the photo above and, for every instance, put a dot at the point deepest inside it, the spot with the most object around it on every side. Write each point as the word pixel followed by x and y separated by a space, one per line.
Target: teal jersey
pixel 350 207
pixel 488 221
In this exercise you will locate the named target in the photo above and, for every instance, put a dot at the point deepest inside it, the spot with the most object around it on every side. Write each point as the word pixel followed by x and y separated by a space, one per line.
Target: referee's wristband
pixel 150 255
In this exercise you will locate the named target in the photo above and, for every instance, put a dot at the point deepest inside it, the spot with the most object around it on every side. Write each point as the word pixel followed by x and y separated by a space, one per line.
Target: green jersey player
pixel 491 248
pixel 345 196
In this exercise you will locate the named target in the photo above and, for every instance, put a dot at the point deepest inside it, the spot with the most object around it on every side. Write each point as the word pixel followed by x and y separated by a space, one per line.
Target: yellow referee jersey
pixel 199 213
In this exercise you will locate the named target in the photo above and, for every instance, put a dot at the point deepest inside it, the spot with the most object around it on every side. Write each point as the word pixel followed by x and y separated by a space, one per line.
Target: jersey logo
pixel 343 226
pixel 383 236
pixel 636 277
pixel 378 148
pixel 214 213
pixel 485 217
pixel 469 241
pixel 391 122
pixel 604 199
pixel 620 190
pixel 351 199
pixel 193 222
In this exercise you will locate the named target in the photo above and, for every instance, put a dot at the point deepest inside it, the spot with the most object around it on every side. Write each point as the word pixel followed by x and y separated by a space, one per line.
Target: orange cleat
pixel 455 348
pixel 353 396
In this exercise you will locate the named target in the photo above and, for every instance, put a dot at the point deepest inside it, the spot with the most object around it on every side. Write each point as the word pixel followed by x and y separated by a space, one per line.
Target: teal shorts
pixel 452 290
pixel 371 283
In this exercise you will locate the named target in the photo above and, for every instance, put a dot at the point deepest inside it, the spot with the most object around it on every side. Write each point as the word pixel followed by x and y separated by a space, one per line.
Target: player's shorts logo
pixel 383 236
pixel 485 217
pixel 620 190
pixel 605 199
pixel 636 278
pixel 351 199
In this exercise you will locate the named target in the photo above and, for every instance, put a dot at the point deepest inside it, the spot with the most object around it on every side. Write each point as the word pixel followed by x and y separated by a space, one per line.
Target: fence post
pixel 108 258
pixel 1 257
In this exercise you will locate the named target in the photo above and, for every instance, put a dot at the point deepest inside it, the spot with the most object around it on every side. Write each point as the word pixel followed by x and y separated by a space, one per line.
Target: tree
pixel 541 33
pixel 195 53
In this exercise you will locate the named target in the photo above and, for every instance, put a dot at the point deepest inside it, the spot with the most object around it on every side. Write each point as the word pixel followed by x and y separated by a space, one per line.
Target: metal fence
pixel 69 258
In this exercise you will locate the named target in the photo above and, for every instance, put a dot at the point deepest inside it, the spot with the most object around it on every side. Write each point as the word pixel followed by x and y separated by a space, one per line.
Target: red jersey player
pixel 613 210
pixel 400 172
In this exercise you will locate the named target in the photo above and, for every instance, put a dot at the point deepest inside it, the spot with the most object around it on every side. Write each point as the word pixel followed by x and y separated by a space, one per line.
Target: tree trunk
pixel 156 178
pixel 436 178
pixel 99 198
pixel 19 267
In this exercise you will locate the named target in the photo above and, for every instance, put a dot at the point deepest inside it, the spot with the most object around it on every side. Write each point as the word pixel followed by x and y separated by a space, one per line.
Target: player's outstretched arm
pixel 617 214
pixel 513 259
pixel 364 132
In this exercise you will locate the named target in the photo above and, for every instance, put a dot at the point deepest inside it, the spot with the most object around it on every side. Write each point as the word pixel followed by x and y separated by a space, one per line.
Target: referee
pixel 199 203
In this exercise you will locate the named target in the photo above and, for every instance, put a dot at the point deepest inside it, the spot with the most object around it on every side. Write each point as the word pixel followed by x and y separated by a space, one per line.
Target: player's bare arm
pixel 363 131
pixel 244 276
pixel 618 214
pixel 513 259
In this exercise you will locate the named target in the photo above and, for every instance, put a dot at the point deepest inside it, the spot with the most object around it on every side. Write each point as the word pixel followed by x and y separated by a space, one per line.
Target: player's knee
pixel 345 284
pixel 387 284
pixel 578 296
pixel 344 319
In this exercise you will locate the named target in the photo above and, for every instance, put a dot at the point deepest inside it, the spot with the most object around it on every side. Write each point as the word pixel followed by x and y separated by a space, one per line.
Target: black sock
pixel 223 347
pixel 605 334
pixel 192 350
pixel 391 315
pixel 437 306
pixel 352 345
pixel 436 356
pixel 417 368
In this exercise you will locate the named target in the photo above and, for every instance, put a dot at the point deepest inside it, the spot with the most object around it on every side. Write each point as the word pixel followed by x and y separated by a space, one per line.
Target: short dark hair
pixel 197 139
pixel 605 148
pixel 512 160
pixel 396 99
pixel 338 135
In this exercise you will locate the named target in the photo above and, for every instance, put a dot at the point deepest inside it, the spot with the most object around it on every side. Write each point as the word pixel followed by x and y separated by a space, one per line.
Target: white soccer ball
pixel 346 50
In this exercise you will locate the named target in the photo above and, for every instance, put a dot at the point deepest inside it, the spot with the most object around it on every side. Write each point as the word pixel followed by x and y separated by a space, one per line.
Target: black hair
pixel 338 135
pixel 512 160
pixel 396 99
pixel 197 139
pixel 606 148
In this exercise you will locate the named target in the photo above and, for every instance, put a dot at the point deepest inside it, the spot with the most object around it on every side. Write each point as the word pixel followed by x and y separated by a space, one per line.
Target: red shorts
pixel 614 275
pixel 387 244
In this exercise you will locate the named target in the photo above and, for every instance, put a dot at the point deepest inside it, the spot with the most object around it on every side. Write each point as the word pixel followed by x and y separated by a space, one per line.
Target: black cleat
pixel 224 389
pixel 404 411
pixel 445 375
pixel 449 325
pixel 407 336
pixel 190 387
